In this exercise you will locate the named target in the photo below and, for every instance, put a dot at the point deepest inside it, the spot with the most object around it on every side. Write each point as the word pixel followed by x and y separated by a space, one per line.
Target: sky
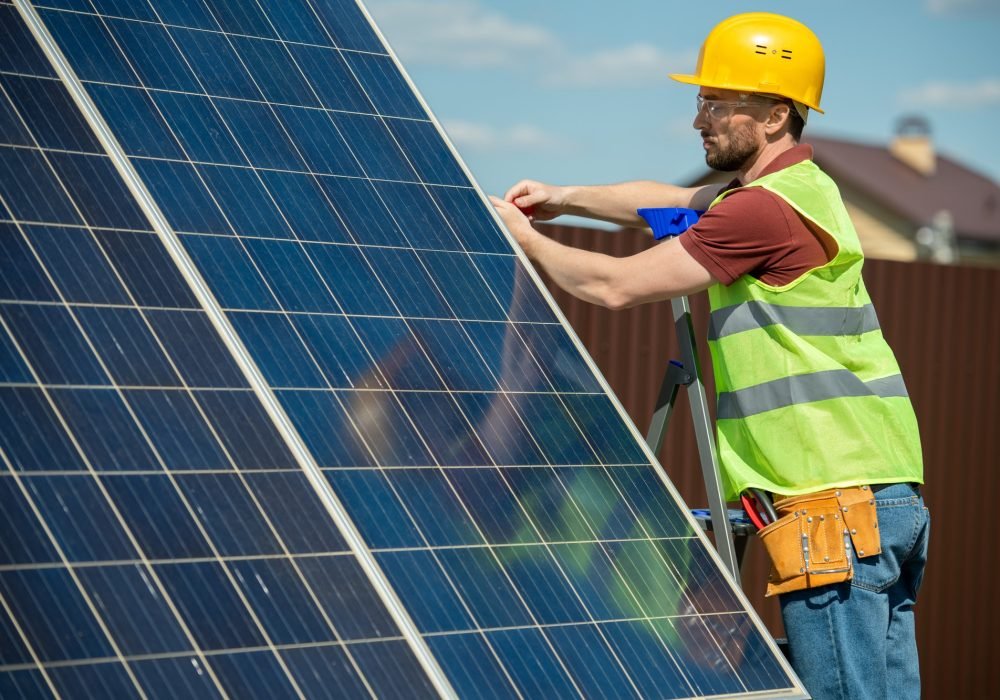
pixel 576 91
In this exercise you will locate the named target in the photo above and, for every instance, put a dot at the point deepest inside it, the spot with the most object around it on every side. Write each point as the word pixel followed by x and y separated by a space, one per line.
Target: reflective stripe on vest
pixel 798 319
pixel 804 388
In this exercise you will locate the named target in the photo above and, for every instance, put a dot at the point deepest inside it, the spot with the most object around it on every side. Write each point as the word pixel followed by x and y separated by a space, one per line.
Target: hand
pixel 540 202
pixel 517 223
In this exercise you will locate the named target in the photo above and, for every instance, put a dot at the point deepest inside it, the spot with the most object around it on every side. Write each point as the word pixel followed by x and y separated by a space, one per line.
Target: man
pixel 810 401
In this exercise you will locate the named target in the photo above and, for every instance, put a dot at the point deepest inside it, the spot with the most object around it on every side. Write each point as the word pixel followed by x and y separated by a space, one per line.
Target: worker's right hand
pixel 540 202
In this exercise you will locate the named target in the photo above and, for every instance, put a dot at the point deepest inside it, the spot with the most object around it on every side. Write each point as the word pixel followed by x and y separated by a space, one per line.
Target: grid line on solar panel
pixel 718 621
pixel 263 556
pixel 124 88
pixel 328 175
pixel 209 653
pixel 260 100
pixel 154 16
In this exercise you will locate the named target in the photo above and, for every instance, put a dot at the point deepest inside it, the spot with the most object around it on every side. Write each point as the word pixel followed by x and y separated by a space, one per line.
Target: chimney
pixel 913 146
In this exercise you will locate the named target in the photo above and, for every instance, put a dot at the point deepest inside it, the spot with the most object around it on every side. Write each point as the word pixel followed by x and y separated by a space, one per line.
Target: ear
pixel 777 117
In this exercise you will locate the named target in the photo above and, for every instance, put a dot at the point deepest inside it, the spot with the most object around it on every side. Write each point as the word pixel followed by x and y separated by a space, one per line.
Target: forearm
pixel 618 203
pixel 660 272
pixel 585 274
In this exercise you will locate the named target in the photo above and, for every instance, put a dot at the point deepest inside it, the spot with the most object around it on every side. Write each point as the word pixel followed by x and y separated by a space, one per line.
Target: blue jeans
pixel 856 639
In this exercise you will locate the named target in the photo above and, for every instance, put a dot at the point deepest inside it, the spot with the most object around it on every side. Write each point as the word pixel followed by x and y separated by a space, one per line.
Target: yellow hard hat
pixel 764 53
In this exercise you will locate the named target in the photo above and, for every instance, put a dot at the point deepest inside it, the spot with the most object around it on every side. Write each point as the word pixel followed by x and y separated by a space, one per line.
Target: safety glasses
pixel 720 109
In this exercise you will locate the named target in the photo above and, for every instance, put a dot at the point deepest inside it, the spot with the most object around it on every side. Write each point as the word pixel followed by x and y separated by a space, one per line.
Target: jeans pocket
pixel 902 524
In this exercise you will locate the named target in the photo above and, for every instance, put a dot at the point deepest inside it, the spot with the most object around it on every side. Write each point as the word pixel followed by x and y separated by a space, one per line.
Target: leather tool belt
pixel 811 542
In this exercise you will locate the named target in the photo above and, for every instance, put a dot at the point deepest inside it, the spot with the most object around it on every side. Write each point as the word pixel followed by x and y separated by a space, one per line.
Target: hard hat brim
pixel 681 78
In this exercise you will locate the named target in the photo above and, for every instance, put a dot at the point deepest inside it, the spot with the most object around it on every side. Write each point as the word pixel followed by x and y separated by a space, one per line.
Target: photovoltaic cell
pixel 365 457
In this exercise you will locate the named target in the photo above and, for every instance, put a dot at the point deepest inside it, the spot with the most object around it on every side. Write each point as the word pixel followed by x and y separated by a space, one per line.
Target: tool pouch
pixel 811 542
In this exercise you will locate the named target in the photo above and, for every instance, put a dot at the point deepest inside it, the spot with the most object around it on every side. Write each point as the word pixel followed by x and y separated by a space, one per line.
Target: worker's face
pixel 732 138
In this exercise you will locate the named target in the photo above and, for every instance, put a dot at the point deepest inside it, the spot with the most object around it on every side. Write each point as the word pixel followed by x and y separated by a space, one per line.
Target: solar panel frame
pixel 577 414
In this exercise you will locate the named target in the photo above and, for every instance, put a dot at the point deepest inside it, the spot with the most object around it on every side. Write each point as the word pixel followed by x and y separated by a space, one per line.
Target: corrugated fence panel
pixel 944 324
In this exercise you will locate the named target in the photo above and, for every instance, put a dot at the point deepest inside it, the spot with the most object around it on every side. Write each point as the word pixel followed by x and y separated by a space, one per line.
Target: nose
pixel 700 120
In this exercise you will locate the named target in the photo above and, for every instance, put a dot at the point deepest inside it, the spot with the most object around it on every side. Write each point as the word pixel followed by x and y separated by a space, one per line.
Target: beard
pixel 742 145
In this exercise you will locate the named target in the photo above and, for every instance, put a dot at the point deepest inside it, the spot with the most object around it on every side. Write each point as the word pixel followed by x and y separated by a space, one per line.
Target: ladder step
pixel 739 523
pixel 782 643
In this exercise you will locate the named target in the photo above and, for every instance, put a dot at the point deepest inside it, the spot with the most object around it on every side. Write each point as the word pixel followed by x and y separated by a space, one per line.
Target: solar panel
pixel 282 413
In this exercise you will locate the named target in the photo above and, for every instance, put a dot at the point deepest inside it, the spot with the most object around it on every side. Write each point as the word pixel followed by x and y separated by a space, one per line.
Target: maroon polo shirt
pixel 755 232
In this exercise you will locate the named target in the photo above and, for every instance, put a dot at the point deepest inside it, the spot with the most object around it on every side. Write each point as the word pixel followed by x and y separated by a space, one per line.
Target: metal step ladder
pixel 731 528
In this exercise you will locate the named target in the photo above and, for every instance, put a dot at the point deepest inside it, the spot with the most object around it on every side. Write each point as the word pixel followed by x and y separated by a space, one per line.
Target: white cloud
pixel 457 33
pixel 475 136
pixel 463 34
pixel 949 7
pixel 525 136
pixel 950 94
pixel 636 64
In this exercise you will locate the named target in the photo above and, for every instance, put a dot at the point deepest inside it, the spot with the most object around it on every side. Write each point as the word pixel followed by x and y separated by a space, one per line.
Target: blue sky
pixel 575 92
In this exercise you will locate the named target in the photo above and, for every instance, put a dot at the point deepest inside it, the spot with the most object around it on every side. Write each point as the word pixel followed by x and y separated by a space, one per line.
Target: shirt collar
pixel 795 154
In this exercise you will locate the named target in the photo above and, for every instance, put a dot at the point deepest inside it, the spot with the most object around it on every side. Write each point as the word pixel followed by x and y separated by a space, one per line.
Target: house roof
pixel 972 198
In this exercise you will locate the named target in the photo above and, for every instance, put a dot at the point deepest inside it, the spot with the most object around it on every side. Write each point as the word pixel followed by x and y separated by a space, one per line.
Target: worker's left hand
pixel 517 223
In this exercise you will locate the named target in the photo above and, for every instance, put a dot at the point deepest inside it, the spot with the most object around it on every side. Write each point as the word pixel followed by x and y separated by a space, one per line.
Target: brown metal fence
pixel 944 324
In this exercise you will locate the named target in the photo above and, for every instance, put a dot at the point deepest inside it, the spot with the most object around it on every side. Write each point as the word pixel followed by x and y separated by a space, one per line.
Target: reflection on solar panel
pixel 281 412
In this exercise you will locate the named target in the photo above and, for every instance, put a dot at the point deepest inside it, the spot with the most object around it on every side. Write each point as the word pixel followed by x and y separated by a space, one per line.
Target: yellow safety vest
pixel 809 393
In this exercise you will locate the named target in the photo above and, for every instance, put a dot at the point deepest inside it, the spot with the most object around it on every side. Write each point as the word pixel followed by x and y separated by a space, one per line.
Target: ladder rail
pixel 704 435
